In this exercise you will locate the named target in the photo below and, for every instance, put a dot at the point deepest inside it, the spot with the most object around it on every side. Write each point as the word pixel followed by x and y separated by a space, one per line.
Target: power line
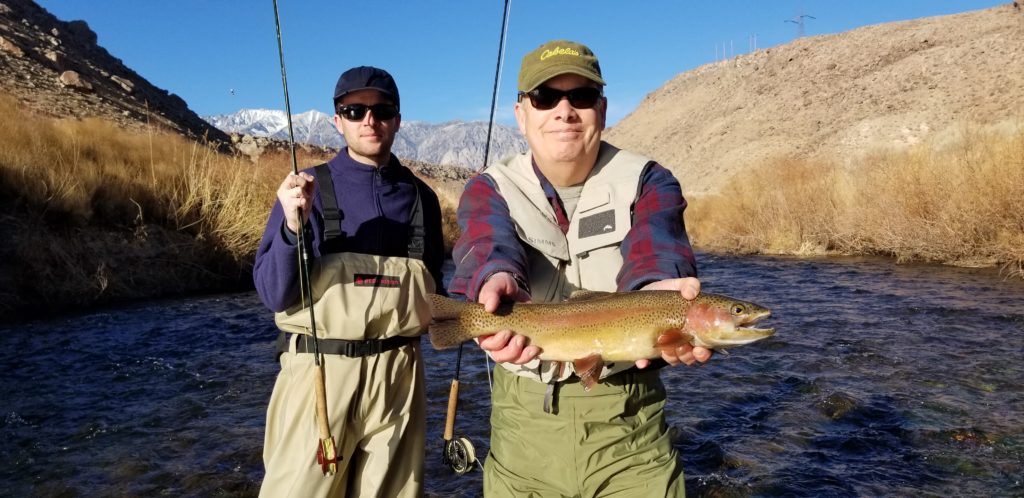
pixel 799 21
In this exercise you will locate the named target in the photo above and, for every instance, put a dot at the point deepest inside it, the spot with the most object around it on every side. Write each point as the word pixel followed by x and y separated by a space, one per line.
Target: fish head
pixel 719 322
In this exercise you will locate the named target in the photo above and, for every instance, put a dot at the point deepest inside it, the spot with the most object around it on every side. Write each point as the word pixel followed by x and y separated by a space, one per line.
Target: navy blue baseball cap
pixel 366 78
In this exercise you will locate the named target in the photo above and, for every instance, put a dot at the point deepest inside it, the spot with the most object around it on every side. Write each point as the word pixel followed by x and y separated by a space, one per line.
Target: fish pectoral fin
pixel 721 351
pixel 669 340
pixel 588 370
pixel 583 295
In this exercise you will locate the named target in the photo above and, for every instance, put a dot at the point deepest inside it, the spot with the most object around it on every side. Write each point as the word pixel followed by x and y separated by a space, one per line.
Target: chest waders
pixel 370 311
pixel 549 435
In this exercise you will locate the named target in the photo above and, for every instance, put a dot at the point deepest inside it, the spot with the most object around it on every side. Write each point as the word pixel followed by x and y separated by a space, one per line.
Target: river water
pixel 882 380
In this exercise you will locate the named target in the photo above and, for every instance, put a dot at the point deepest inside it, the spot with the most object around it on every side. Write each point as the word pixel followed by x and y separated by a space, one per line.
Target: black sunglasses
pixel 356 112
pixel 544 98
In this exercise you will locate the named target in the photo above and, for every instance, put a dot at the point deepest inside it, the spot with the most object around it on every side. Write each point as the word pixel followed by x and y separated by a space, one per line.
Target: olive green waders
pixel 610 441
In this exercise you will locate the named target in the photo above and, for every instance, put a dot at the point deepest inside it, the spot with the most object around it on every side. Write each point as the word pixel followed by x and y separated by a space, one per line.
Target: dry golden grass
pixel 959 204
pixel 99 213
pixel 82 172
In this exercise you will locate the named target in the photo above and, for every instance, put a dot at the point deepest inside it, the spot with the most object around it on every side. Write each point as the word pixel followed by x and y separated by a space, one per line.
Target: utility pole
pixel 799 21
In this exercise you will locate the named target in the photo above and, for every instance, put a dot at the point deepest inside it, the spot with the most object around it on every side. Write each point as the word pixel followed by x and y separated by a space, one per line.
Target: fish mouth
pixel 752 319
pixel 744 333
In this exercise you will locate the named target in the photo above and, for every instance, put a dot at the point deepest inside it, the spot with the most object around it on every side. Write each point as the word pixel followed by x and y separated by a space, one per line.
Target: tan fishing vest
pixel 363 296
pixel 587 257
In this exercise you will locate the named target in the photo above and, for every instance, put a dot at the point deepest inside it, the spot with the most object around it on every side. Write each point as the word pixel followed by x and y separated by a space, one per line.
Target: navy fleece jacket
pixel 376 206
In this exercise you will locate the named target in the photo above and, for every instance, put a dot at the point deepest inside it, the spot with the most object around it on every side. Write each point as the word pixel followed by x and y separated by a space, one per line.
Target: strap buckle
pixel 359 349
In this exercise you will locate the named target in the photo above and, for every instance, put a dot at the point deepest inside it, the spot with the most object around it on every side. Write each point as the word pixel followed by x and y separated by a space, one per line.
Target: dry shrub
pixel 449 222
pixel 958 204
pixel 785 207
pixel 961 203
pixel 99 213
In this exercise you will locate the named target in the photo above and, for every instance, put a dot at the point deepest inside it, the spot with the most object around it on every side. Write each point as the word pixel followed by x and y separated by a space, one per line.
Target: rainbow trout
pixel 594 327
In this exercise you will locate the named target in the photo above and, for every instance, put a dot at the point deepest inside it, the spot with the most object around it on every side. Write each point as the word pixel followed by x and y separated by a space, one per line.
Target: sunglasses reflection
pixel 356 112
pixel 544 98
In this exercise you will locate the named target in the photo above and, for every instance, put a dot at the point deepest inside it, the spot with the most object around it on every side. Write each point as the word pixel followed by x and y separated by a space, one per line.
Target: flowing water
pixel 882 380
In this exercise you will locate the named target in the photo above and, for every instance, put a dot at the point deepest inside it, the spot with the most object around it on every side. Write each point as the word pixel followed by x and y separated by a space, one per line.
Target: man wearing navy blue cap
pixel 374 231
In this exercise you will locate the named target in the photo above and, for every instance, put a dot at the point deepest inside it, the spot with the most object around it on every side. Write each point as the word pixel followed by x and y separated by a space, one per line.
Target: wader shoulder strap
pixel 332 215
pixel 416 230
pixel 329 203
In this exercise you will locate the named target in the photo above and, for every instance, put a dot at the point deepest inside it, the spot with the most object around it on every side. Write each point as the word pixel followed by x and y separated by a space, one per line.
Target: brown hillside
pixel 57 69
pixel 835 96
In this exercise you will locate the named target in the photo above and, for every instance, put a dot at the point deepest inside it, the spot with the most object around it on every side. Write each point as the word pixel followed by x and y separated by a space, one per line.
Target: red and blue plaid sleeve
pixel 657 247
pixel 488 243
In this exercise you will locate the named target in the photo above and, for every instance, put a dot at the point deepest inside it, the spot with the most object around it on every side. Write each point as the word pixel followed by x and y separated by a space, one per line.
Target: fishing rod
pixel 497 78
pixel 326 452
pixel 459 453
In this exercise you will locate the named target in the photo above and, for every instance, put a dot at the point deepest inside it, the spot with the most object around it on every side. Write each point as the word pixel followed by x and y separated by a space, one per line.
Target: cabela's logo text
pixel 558 51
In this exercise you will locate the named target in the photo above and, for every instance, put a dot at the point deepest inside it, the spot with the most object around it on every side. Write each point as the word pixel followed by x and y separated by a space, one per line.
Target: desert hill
pixel 833 97
pixel 58 69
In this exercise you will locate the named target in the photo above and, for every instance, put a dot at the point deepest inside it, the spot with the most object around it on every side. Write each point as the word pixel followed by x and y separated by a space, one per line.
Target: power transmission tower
pixel 799 21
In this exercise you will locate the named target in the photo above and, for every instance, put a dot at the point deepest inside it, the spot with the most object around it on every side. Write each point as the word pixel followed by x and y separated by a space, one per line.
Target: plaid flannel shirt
pixel 656 247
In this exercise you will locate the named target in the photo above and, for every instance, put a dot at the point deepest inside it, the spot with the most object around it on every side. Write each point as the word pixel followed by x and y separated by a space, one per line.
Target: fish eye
pixel 738 309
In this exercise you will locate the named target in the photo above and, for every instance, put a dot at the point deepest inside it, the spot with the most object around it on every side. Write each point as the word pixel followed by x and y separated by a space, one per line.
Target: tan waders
pixel 376 406
pixel 370 312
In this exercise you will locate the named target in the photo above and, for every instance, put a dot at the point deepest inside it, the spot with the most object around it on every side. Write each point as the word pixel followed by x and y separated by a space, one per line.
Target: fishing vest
pixel 359 297
pixel 587 256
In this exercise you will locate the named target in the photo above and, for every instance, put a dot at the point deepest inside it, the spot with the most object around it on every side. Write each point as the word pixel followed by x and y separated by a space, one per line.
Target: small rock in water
pixel 836 405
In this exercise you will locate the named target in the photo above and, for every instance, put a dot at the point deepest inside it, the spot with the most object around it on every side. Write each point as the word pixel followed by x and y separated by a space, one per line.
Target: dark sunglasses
pixel 544 98
pixel 356 112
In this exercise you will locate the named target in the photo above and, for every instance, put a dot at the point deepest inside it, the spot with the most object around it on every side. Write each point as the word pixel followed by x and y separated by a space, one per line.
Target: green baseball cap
pixel 558 57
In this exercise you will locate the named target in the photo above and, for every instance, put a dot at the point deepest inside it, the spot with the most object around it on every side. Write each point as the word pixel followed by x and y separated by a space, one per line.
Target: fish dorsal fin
pixel 589 370
pixel 583 295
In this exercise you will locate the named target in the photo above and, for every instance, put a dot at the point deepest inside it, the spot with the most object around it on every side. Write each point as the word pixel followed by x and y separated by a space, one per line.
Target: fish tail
pixel 449 333
pixel 443 308
pixel 446 330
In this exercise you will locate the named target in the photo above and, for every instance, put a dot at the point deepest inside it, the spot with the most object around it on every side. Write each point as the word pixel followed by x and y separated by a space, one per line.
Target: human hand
pixel 688 287
pixel 296 195
pixel 687 354
pixel 505 345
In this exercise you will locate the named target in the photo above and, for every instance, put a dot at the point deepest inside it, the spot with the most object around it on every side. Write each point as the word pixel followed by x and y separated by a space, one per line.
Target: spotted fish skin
pixel 623 326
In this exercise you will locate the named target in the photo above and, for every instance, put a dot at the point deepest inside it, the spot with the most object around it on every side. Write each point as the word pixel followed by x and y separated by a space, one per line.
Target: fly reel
pixel 460 455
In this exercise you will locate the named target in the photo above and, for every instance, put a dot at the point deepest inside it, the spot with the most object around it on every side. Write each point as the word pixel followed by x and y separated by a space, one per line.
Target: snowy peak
pixel 458 143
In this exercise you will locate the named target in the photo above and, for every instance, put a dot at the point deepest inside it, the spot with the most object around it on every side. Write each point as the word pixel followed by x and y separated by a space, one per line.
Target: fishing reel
pixel 459 455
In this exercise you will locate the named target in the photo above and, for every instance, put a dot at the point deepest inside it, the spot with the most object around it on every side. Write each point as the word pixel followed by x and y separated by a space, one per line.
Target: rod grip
pixel 322 422
pixel 453 399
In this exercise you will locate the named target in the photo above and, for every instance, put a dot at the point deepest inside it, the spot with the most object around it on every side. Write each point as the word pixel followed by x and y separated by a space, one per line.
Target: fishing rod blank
pixel 459 453
pixel 326 451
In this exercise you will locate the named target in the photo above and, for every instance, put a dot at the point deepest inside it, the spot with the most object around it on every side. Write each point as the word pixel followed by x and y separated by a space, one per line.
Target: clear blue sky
pixel 443 53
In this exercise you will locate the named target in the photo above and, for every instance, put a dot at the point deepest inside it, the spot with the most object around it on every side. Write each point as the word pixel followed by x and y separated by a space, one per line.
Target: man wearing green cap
pixel 573 213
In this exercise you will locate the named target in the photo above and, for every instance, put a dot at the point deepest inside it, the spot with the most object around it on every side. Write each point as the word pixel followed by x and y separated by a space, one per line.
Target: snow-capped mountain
pixel 313 127
pixel 456 142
